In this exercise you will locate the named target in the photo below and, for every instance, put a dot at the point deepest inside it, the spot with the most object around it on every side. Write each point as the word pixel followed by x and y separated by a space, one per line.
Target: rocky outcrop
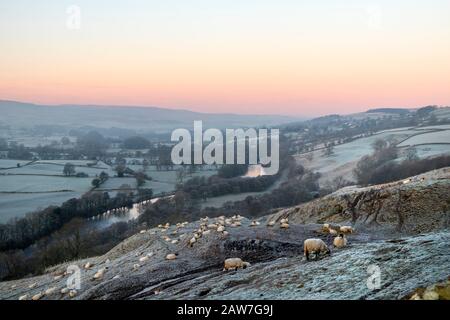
pixel 405 263
pixel 415 205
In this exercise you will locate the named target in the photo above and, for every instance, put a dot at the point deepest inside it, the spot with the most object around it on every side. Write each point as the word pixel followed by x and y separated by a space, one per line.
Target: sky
pixel 292 57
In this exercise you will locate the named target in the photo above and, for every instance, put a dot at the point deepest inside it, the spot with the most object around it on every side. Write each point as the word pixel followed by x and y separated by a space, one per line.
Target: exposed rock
pixel 420 205
pixel 406 261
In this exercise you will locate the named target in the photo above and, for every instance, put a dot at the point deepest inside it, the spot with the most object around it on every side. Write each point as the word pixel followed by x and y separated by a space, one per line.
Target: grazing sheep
pixel 314 245
pixel 99 274
pixel 221 229
pixel 57 277
pixel 234 264
pixel 171 256
pixel 31 286
pixel 49 291
pixel 205 233
pixel 72 293
pixel 346 229
pixel 175 241
pixel 284 225
pixel 212 226
pixel 37 296
pixel 254 223
pixel 64 290
pixel 340 241
pixel 142 231
pixel 88 265
pixel 284 220
pixel 192 241
pixel 143 259
pixel 333 232
pixel 271 223
pixel 136 266
pixel 24 297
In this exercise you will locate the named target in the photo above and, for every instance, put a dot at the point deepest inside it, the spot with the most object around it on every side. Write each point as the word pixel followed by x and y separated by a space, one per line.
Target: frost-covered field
pixel 345 156
pixel 430 150
pixel 28 183
pixel 18 204
pixel 34 141
pixel 116 183
pixel 8 163
pixel 46 168
pixel 428 138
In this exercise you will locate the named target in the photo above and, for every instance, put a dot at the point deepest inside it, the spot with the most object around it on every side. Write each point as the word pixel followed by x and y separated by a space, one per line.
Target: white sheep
pixel 24 297
pixel 284 220
pixel 192 241
pixel 346 229
pixel 340 241
pixel 64 290
pixel 143 259
pixel 99 274
pixel 284 225
pixel 254 223
pixel 221 229
pixel 37 296
pixel 49 291
pixel 88 265
pixel 171 256
pixel 271 223
pixel 72 293
pixel 314 245
pixel 234 264
pixel 333 232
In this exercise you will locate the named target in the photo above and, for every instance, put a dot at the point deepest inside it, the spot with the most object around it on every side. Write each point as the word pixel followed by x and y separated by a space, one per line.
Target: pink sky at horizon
pixel 257 57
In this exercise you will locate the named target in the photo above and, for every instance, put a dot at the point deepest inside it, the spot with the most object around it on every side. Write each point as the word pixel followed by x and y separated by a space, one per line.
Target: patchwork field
pixel 18 204
pixel 428 138
pixel 429 143
pixel 39 184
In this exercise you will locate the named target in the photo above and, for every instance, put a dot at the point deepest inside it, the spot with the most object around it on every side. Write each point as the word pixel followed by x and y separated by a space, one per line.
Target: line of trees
pixel 383 166
pixel 19 233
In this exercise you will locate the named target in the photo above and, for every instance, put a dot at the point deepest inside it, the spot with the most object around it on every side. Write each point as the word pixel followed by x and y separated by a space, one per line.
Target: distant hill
pixel 388 110
pixel 141 119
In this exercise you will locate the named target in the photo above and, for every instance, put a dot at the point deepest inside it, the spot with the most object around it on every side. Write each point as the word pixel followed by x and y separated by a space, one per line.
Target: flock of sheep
pixel 207 226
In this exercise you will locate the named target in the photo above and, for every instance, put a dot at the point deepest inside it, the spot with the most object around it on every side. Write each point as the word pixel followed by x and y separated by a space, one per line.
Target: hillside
pixel 145 119
pixel 402 228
